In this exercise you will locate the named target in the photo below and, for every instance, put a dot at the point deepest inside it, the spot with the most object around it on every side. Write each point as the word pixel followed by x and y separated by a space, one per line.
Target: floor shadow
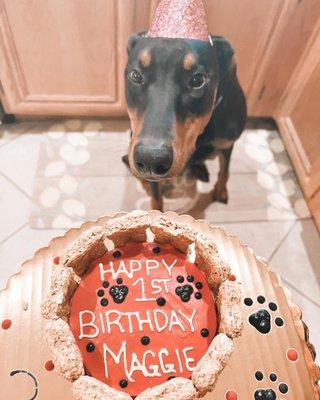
pixel 310 238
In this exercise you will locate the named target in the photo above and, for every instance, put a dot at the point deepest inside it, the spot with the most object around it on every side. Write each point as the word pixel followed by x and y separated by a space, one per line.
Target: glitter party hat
pixel 180 19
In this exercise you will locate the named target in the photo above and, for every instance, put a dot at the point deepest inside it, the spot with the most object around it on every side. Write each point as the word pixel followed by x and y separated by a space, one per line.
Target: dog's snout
pixel 153 161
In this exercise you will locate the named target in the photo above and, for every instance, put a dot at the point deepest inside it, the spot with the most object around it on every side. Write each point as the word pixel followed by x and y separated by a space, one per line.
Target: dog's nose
pixel 156 161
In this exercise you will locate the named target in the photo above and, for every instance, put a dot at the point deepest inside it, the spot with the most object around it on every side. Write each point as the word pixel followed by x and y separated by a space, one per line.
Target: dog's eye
pixel 136 77
pixel 197 81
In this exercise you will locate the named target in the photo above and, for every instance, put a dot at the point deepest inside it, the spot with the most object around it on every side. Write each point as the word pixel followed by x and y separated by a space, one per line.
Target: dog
pixel 186 105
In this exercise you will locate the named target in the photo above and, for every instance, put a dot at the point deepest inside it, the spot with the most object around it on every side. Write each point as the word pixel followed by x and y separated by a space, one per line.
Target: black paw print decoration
pixel 185 291
pixel 119 292
pixel 262 319
pixel 269 394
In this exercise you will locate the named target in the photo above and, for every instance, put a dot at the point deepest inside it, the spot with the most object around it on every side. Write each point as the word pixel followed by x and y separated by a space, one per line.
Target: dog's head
pixel 171 86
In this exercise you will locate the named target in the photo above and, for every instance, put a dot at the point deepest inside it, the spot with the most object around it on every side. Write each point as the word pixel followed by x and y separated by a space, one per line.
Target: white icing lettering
pixel 169 267
pixel 90 324
pixel 179 360
pixel 103 328
pixel 188 360
pixel 174 321
pixel 134 269
pixel 147 321
pixel 189 319
pixel 104 271
pixel 156 285
pixel 157 322
pixel 143 291
pixel 154 368
pixel 130 314
pixel 166 368
pixel 136 366
pixel 122 269
pixel 150 265
pixel 116 358
pixel 116 321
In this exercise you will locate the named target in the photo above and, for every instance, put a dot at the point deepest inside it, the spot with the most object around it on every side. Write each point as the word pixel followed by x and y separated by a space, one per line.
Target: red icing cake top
pixel 141 315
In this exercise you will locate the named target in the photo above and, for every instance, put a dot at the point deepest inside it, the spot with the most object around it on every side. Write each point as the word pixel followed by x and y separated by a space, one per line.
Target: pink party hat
pixel 180 19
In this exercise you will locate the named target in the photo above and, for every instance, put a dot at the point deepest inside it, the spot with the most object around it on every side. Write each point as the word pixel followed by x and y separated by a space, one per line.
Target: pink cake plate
pixel 26 372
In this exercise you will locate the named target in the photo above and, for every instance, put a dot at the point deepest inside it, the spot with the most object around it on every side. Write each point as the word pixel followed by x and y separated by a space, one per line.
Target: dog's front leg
pixel 156 196
pixel 154 190
pixel 220 191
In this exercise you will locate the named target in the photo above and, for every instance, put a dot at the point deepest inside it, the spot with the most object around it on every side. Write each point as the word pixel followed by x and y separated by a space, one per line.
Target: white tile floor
pixel 274 222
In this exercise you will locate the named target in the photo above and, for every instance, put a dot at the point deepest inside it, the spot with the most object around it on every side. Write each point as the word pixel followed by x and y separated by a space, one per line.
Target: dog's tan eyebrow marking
pixel 188 61
pixel 145 58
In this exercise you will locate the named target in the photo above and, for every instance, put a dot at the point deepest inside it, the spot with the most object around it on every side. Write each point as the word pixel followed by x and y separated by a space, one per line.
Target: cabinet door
pixel 299 116
pixel 248 25
pixel 64 57
pixel 288 42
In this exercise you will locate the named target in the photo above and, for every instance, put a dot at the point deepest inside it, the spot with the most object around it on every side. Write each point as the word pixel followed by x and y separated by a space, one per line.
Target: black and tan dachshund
pixel 186 105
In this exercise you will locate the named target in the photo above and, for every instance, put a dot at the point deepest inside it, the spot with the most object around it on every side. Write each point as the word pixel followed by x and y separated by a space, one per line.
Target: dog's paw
pixel 220 194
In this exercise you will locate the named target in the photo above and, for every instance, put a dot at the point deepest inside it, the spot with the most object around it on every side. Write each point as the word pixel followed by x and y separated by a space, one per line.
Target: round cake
pixel 142 308
pixel 141 315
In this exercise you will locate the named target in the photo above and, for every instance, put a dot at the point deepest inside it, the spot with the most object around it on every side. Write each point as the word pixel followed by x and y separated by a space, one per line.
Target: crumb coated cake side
pixel 209 260
pixel 177 388
pixel 177 234
pixel 65 353
pixel 130 227
pixel 229 303
pixel 63 286
pixel 79 253
pixel 210 366
pixel 88 388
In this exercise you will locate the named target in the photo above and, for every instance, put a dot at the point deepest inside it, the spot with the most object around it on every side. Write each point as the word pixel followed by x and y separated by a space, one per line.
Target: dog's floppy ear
pixel 226 60
pixel 133 40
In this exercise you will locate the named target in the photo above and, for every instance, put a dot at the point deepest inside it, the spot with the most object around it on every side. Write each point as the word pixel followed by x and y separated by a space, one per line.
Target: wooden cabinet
pixel 286 45
pixel 298 118
pixel 248 25
pixel 62 57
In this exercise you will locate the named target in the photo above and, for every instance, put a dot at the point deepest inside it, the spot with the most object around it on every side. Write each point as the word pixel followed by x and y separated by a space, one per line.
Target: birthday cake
pixel 143 309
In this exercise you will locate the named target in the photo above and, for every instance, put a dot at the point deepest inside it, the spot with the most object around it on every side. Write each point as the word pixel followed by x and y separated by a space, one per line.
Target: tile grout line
pixel 9 141
pixel 301 293
pixel 16 186
pixel 18 135
pixel 13 233
pixel 257 221
pixel 281 242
